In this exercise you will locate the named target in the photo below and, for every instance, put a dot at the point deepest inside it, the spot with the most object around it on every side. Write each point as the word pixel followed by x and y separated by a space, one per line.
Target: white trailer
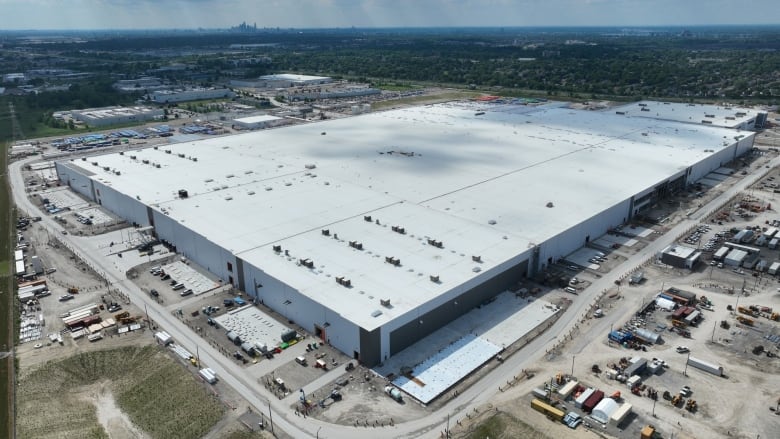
pixel 163 338
pixel 774 268
pixel 208 375
pixel 721 253
pixel 705 366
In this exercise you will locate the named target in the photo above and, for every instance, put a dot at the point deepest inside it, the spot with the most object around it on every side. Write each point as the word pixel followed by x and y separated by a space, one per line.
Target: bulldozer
pixel 690 405
pixel 677 399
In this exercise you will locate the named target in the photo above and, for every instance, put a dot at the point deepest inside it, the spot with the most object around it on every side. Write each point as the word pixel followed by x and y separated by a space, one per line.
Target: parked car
pixel 66 297
pixel 682 349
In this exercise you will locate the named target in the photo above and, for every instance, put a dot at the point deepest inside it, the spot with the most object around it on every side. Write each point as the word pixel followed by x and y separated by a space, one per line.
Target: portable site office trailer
pixel 208 375
pixel 721 253
pixel 621 413
pixel 567 388
pixel 163 338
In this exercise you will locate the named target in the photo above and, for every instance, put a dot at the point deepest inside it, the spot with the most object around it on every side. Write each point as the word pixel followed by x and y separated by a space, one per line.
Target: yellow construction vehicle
pixel 745 320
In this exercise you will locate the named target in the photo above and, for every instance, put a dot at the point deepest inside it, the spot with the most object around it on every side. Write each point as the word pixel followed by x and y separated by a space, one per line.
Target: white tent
pixel 664 304
pixel 604 409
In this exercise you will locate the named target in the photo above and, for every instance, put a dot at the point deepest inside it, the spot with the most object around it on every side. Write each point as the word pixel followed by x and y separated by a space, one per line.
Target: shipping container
pixel 548 410
pixel 592 400
pixel 583 397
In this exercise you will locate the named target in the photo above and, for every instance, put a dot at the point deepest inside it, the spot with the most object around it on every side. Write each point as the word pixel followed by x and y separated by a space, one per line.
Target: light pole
pixel 685 372
pixel 318 433
pixel 572 365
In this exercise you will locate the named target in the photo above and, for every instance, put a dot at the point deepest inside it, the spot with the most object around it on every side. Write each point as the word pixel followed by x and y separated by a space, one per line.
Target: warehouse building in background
pixel 100 117
pixel 190 94
pixel 374 231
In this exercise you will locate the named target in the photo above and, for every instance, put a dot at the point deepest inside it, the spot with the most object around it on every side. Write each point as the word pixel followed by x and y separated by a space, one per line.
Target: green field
pixel 7 315
pixel 157 394
pixel 502 426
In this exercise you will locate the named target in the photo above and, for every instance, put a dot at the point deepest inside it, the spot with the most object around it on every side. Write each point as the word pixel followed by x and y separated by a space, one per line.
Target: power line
pixel 16 129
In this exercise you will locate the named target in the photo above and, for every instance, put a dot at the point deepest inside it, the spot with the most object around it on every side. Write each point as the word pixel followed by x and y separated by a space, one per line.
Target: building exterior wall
pixel 117 119
pixel 163 97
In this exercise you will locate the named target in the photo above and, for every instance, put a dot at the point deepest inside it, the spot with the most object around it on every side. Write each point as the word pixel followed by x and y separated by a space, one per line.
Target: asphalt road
pixel 429 426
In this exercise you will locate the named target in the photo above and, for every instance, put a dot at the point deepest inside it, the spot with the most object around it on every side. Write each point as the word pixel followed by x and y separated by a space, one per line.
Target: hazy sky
pixel 137 14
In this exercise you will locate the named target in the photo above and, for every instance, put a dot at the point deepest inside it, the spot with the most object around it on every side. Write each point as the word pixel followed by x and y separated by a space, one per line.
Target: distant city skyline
pixel 190 14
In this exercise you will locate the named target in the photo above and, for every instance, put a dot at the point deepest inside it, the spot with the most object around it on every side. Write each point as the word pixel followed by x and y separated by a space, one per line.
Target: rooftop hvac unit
pixel 167 151
pixel 326 232
pixel 117 173
pixel 356 245
pixel 183 193
pixel 311 166
pixel 345 282
pixel 132 157
pixel 392 260
pixel 84 159
pixel 144 161
pixel 106 168
pixel 194 159
pixel 476 258
pixel 435 243
pixel 121 153
pixel 181 155
pixel 156 147
pixel 94 163
pixel 385 302
pixel 435 279
pixel 277 248
pixel 157 165
pixel 308 263
pixel 367 218
pixel 399 229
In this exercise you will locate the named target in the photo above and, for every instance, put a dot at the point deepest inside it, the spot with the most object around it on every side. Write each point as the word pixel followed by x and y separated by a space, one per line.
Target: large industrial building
pixel 373 231
pixel 99 117
pixel 191 94
pixel 282 80
pixel 726 116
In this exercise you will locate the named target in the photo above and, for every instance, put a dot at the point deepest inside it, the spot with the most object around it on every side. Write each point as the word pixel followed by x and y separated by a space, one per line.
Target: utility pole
pixel 447 429
pixel 713 331
pixel 271 417
pixel 685 372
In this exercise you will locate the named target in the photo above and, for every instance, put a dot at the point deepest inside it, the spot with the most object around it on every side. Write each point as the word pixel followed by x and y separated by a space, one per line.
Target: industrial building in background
pixel 374 231
pixel 190 94
pixel 282 80
pixel 98 117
